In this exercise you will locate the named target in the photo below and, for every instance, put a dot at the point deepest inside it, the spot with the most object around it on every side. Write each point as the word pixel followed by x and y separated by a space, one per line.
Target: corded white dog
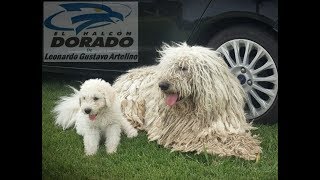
pixel 190 102
pixel 95 111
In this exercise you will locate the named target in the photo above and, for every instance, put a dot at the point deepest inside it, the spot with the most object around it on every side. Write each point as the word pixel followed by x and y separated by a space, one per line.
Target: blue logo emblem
pixel 106 17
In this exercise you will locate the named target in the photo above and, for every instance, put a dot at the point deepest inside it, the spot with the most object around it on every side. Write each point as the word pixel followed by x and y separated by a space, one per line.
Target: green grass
pixel 63 154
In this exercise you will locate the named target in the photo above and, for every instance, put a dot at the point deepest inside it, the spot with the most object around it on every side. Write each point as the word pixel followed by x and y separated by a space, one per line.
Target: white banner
pixel 90 32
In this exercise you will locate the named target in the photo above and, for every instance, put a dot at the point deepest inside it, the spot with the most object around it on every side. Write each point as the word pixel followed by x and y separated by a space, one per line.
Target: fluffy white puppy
pixel 95 112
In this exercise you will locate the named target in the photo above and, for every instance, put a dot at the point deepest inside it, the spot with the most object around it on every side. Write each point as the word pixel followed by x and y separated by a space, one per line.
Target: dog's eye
pixel 95 98
pixel 183 68
pixel 84 98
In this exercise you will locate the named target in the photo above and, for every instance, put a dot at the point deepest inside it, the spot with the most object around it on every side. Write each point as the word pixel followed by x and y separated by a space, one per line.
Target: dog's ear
pixel 215 84
pixel 206 85
pixel 109 97
pixel 109 93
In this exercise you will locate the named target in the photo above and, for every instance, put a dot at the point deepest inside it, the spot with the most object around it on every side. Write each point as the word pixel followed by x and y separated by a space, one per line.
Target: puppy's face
pixel 92 103
pixel 96 95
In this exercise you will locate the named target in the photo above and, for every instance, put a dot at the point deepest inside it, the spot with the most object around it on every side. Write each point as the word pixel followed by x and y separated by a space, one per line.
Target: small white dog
pixel 95 111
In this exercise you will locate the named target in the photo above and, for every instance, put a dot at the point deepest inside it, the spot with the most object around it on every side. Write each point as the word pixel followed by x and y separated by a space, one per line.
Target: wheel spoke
pixel 259 54
pixel 251 107
pixel 235 46
pixel 265 66
pixel 246 53
pixel 262 103
pixel 266 91
pixel 226 54
pixel 265 79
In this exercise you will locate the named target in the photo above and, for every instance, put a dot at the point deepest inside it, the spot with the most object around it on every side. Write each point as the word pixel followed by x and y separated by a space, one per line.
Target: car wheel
pixel 252 56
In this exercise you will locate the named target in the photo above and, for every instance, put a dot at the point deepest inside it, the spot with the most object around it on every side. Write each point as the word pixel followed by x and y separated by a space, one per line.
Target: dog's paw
pixel 90 153
pixel 132 133
pixel 111 150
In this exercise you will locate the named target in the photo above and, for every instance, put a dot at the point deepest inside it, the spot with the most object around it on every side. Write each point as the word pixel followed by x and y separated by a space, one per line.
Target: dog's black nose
pixel 87 110
pixel 164 86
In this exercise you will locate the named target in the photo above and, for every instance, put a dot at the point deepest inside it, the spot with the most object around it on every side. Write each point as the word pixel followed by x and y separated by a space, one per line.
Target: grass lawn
pixel 63 154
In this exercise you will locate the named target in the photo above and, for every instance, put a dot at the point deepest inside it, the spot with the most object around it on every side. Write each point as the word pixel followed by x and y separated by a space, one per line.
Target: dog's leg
pixel 128 128
pixel 91 142
pixel 113 133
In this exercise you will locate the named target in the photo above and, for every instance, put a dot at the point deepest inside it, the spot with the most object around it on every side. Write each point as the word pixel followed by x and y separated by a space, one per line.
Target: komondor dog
pixel 190 101
pixel 95 111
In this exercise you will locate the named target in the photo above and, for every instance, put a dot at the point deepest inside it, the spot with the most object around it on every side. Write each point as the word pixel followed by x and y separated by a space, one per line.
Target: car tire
pixel 235 40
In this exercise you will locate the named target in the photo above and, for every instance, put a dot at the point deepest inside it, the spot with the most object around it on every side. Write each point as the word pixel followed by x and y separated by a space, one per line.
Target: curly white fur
pixel 202 109
pixel 95 111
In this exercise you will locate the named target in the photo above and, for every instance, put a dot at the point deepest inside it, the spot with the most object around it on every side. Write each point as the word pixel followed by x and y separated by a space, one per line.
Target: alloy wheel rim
pixel 256 71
